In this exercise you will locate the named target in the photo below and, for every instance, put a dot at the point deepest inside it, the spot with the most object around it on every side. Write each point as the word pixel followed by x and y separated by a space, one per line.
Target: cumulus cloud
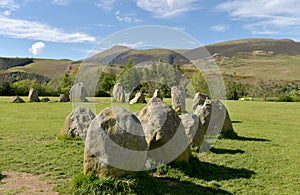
pixel 129 18
pixel 24 29
pixel 167 8
pixel 37 48
pixel 220 28
pixel 264 16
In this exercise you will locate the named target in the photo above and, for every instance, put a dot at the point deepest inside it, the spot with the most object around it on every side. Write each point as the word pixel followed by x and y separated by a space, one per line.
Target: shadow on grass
pixel 166 185
pixel 241 138
pixel 236 121
pixel 207 171
pixel 226 151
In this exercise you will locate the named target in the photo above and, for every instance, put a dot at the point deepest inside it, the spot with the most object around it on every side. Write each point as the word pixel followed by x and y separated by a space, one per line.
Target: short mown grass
pixel 263 159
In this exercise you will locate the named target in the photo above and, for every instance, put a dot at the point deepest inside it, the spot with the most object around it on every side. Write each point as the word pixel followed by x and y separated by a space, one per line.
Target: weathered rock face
pixel 63 98
pixel 157 94
pixel 33 95
pixel 78 93
pixel 178 99
pixel 199 99
pixel 129 96
pixel 115 143
pixel 193 129
pixel 78 122
pixel 45 99
pixel 17 99
pixel 164 132
pixel 118 93
pixel 138 98
pixel 214 112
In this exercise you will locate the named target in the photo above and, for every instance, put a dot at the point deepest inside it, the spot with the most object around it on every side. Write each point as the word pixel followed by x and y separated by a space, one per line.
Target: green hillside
pixel 45 67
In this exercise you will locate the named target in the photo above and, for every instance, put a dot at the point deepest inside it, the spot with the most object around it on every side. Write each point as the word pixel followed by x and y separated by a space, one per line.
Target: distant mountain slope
pixel 271 46
pixel 46 67
pixel 6 63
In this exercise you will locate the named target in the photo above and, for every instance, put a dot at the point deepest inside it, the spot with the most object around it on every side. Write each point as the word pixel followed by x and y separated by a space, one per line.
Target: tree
pixel 199 83
pixel 106 84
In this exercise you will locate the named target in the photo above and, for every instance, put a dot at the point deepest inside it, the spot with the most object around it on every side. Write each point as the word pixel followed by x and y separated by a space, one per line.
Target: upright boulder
pixel 164 132
pixel 115 144
pixel 78 122
pixel 63 98
pixel 78 93
pixel 17 99
pixel 178 99
pixel 199 99
pixel 33 95
pixel 138 98
pixel 157 94
pixel 193 129
pixel 119 93
pixel 215 118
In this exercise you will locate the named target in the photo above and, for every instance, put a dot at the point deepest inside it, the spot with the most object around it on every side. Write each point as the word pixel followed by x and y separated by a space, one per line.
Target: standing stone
pixel 214 117
pixel 138 98
pixel 115 144
pixel 78 93
pixel 118 93
pixel 199 99
pixel 17 99
pixel 33 95
pixel 178 99
pixel 63 98
pixel 157 94
pixel 164 132
pixel 193 130
pixel 77 122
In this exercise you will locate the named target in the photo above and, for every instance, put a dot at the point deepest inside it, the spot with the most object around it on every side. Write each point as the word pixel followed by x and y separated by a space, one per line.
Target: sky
pixel 70 29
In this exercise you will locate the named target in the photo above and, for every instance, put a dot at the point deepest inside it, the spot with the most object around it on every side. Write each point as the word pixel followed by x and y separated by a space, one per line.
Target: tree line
pixel 158 75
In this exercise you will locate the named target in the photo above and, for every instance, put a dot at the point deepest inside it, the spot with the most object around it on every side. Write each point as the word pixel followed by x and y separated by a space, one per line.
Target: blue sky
pixel 69 29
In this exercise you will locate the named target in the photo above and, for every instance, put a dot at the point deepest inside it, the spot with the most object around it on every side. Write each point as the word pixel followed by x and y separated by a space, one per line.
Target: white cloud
pixel 220 28
pixel 23 29
pixel 265 16
pixel 37 48
pixel 106 5
pixel 167 8
pixel 7 12
pixel 129 18
pixel 9 4
pixel 60 2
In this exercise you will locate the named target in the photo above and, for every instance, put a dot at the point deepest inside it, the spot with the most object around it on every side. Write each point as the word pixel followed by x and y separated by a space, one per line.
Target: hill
pixel 246 58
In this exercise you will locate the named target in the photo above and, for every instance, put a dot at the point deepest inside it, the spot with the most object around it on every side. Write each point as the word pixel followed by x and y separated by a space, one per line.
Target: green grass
pixel 262 160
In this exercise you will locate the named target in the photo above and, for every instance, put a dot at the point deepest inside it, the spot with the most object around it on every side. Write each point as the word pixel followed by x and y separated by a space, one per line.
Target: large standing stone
pixel 164 132
pixel 33 95
pixel 199 99
pixel 118 93
pixel 78 93
pixel 138 98
pixel 77 122
pixel 63 98
pixel 157 94
pixel 115 143
pixel 17 99
pixel 193 129
pixel 178 99
pixel 214 117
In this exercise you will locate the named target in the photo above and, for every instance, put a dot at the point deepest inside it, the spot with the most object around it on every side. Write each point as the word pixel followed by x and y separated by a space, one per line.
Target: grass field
pixel 263 160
